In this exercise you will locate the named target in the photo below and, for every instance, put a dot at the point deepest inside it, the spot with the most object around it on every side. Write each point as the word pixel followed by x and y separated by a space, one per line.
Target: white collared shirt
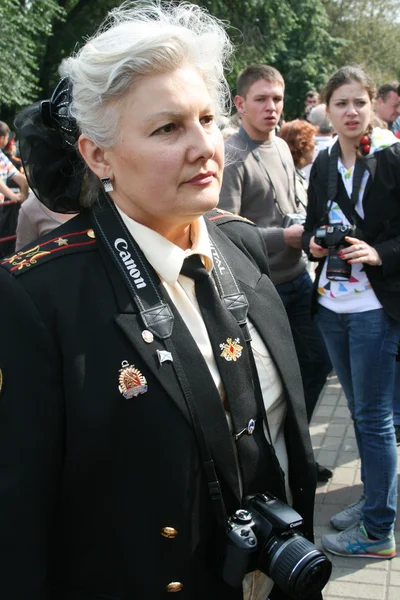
pixel 167 259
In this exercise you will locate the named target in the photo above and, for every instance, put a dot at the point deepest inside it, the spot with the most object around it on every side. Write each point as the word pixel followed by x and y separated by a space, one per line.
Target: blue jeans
pixel 362 347
pixel 396 398
pixel 314 361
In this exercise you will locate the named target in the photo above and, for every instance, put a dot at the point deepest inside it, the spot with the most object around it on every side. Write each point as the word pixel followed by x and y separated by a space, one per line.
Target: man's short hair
pixel 255 73
pixel 4 129
pixel 386 88
pixel 312 94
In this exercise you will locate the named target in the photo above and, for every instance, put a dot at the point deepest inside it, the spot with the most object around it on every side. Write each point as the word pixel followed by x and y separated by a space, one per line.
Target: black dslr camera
pixel 332 237
pixel 263 536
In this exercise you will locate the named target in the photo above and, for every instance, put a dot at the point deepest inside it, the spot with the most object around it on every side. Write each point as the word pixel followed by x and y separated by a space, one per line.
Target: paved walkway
pixel 335 447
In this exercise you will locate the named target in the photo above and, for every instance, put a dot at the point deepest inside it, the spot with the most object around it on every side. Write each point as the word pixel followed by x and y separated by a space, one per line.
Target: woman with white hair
pixel 149 383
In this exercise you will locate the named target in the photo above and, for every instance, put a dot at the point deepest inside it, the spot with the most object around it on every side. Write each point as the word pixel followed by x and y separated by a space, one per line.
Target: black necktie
pixel 259 466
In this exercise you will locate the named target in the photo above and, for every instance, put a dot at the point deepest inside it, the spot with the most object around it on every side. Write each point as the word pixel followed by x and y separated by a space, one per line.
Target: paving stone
pixel 316 439
pixel 336 430
pixel 395 562
pixel 332 443
pixel 394 579
pixel 361 575
pixel 327 458
pixel 353 590
pixel 393 594
pixel 324 411
pixel 343 475
pixel 341 411
pixel 348 459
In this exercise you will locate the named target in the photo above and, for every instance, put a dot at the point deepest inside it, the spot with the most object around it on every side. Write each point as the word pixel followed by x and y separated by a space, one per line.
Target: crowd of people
pixel 196 279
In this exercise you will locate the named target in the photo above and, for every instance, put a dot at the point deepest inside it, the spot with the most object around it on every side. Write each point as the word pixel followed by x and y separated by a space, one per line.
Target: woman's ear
pixel 94 157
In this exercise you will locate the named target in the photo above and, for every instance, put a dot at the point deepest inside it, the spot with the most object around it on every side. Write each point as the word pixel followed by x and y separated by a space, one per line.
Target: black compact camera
pixel 264 536
pixel 293 219
pixel 332 237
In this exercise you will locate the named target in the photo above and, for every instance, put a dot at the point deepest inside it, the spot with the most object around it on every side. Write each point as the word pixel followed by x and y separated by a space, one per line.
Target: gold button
pixel 91 233
pixel 169 532
pixel 174 586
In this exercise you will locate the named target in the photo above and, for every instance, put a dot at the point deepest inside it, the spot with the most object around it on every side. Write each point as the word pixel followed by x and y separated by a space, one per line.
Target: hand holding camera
pixel 360 252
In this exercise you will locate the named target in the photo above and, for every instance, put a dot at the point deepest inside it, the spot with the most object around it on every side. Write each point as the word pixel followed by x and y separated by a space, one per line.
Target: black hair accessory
pixel 47 143
pixel 56 112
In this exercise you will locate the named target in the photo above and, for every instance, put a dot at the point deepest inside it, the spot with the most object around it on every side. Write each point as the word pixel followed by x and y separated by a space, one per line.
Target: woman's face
pixel 350 110
pixel 166 169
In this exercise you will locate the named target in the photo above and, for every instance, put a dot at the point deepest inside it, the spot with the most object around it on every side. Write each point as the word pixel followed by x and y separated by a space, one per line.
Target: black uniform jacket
pixel 90 480
pixel 380 227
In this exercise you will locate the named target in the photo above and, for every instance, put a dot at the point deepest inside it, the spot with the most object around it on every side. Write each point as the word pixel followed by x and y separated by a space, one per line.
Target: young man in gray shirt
pixel 259 184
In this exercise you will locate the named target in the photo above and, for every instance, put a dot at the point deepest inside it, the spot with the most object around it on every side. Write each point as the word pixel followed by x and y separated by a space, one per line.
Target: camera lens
pixel 337 269
pixel 295 565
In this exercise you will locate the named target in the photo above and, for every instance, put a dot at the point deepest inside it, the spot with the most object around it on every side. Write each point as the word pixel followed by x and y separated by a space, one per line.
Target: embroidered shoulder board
pixel 48 247
pixel 219 217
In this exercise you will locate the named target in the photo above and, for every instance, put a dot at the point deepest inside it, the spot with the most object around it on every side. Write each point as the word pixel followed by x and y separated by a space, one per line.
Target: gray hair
pixel 139 39
pixel 320 119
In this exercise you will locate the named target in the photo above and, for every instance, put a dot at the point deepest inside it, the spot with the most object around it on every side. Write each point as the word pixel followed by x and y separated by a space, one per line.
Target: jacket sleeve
pixel 230 197
pixel 249 240
pixel 31 442
pixel 389 249
pixel 313 209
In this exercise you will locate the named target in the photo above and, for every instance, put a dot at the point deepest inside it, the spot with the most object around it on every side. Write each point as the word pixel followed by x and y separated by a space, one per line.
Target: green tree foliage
pixel 311 53
pixel 82 18
pixel 371 30
pixel 305 39
pixel 25 28
pixel 292 35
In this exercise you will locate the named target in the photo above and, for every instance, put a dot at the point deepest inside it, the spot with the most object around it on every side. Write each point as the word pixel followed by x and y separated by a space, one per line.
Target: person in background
pixel 14 187
pixel 35 219
pixel 149 378
pixel 311 99
pixel 396 123
pixel 354 189
pixel 323 137
pixel 387 103
pixel 300 137
pixel 259 184
pixel 10 150
pixel 8 172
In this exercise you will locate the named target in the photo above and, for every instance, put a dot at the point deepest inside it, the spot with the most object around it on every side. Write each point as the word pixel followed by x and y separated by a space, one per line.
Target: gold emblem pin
pixel 131 381
pixel 231 350
pixel 61 242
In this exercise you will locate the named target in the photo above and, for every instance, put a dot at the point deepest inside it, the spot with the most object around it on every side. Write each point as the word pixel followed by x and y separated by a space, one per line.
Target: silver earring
pixel 107 184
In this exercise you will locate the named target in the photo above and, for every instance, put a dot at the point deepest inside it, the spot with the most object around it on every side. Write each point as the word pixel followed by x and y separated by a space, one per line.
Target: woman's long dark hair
pixel 344 75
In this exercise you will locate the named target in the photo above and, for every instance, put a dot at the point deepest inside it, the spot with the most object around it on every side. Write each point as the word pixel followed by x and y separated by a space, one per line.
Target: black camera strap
pixel 144 287
pixel 361 165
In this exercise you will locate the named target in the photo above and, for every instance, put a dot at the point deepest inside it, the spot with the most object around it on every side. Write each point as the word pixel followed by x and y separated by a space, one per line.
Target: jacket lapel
pixel 268 315
pixel 220 442
pixel 128 319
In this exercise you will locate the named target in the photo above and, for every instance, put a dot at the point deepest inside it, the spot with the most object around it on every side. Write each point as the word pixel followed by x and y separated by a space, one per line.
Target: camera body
pixel 293 219
pixel 333 238
pixel 264 535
